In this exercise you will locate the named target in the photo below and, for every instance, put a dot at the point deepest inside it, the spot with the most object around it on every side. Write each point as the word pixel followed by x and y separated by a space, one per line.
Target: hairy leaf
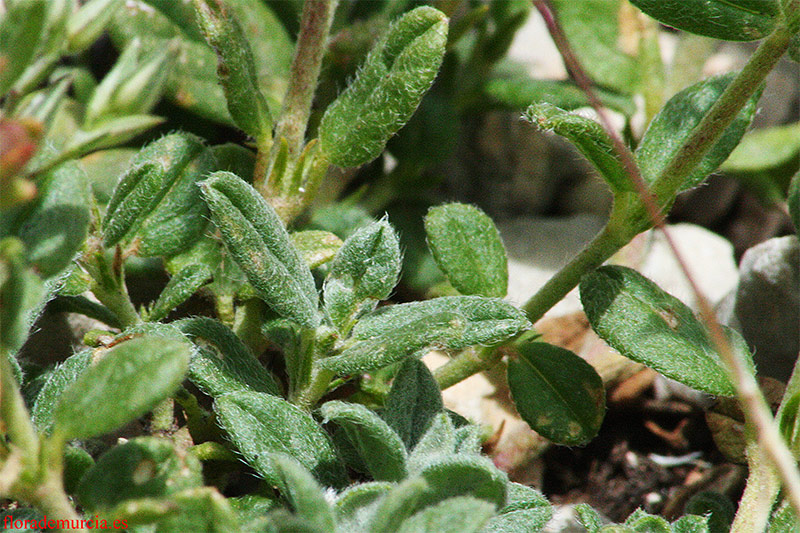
pixel 412 402
pixel 303 492
pixel 180 288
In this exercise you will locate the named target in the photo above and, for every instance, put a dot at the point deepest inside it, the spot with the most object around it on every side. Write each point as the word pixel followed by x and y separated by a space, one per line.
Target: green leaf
pixel 133 86
pixel 588 517
pixel 465 475
pixel 412 402
pixel 316 247
pixel 439 440
pixel 400 503
pixel 783 519
pixel 690 524
pixel 77 462
pixel 565 407
pixel 21 292
pixel 131 379
pixel 87 24
pixel 395 332
pixel 259 243
pixel 260 424
pixel 526 510
pixel 157 199
pixel 715 507
pixel 357 504
pixel 396 74
pixel 140 468
pixel 196 509
pixel 644 323
pixel 20 33
pixel 235 68
pixel 364 271
pixel 593 29
pixel 180 288
pixel 589 138
pixel 303 492
pixel 462 514
pixel 467 247
pixel 683 112
pixel 57 382
pixel 793 200
pixel 647 523
pixel 377 444
pixel 731 20
pixel 222 362
pixel 55 229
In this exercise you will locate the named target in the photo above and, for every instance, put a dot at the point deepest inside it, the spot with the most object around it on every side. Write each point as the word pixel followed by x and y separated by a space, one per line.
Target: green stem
pixel 213 451
pixel 317 386
pixel 759 495
pixel 247 325
pixel 722 114
pixel 13 413
pixel 163 417
pixel 603 246
pixel 311 43
pixel 465 364
pixel 108 283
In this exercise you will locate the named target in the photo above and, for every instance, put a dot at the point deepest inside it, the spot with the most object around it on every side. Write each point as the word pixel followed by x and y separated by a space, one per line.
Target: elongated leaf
pixel 259 243
pixel 526 510
pixel 400 503
pixel 387 89
pixel 589 138
pixel 20 31
pixel 112 132
pixel 223 363
pixel 467 247
pixel 59 380
pixel 412 402
pixel 364 271
pixel 179 289
pixel 132 378
pixel 644 323
pixel 316 247
pixel 235 68
pixel 89 22
pixel 304 493
pixel 438 441
pixel 378 445
pixel 153 172
pixel 55 229
pixel 676 120
pixel 731 20
pixel 395 332
pixel 21 292
pixel 144 467
pixel 565 407
pixel 462 514
pixel 261 424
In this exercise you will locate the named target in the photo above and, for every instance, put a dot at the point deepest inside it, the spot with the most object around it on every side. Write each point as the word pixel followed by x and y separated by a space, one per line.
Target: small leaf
pixel 387 89
pixel 462 514
pixel 715 507
pixel 144 467
pixel 59 380
pixel 261 424
pixel 21 293
pixel 235 68
pixel 260 245
pixel 395 332
pixel 180 288
pixel 20 33
pixel 438 441
pixel 400 503
pixel 589 138
pixel 644 323
pixel 364 271
pixel 55 229
pixel 132 378
pixel 196 509
pixel 412 402
pixel 565 407
pixel 690 524
pixel 730 20
pixel 153 172
pixel 222 362
pixel 356 505
pixel 378 445
pixel 465 475
pixel 87 24
pixel 669 130
pixel 526 510
pixel 467 247
pixel 316 247
pixel 305 495
pixel 588 517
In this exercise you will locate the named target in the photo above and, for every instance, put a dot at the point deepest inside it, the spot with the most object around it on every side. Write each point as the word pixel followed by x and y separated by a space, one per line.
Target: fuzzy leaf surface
pixel 669 130
pixel 57 382
pixel 260 245
pixel 180 288
pixel 388 88
pixel 565 407
pixel 304 493
pixel 261 424
pixel 644 323
pixel 526 510
pixel 730 20
pixel 378 445
pixel 467 247
pixel 130 379
pixel 462 514
pixel 412 402
pixel 363 272
pixel 316 247
pixel 395 332
pixel 20 31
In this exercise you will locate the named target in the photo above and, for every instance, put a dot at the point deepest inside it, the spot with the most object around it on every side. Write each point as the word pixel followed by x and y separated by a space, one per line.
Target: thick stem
pixel 108 283
pixel 309 395
pixel 759 493
pixel 311 41
pixel 465 364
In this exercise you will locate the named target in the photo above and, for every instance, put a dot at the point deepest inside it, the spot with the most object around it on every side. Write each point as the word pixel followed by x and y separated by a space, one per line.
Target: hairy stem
pixel 465 364
pixel 759 493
